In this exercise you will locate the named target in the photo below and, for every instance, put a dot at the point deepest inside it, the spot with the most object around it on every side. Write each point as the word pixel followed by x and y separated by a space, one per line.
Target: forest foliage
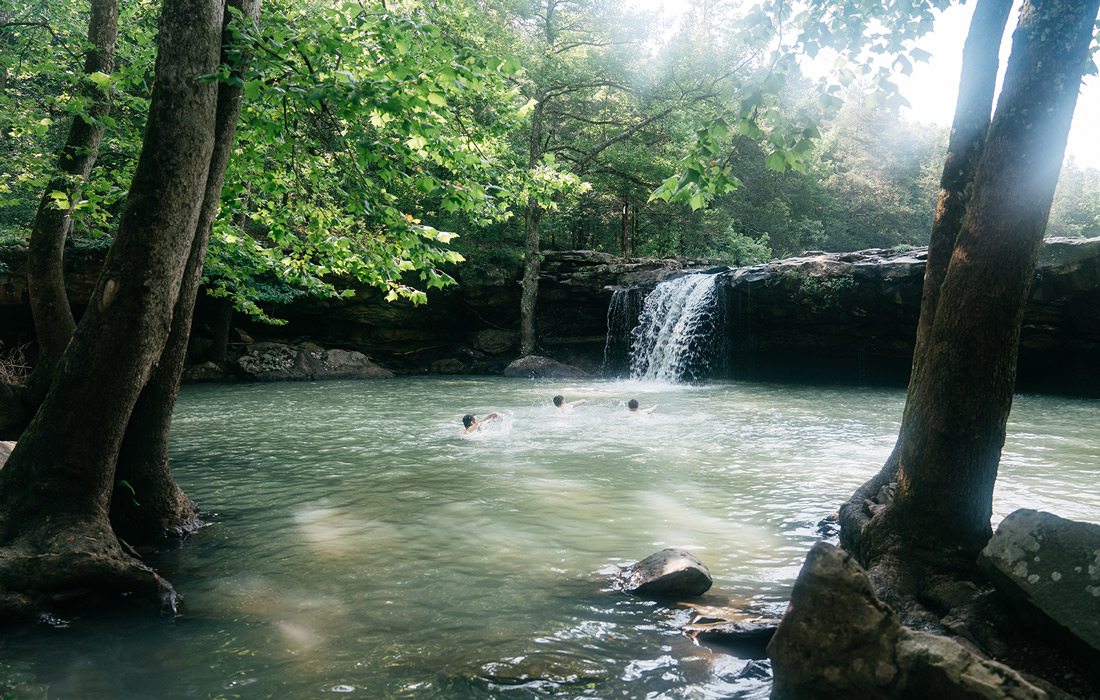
pixel 388 142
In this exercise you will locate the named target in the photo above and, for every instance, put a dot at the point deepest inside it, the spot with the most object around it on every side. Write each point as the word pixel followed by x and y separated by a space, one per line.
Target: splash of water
pixel 673 337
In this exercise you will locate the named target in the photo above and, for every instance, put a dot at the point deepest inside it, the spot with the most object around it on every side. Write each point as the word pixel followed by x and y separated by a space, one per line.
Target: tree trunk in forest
pixel 624 230
pixel 973 108
pixel 530 286
pixel 529 290
pixel 961 390
pixel 157 507
pixel 53 319
pixel 223 326
pixel 56 487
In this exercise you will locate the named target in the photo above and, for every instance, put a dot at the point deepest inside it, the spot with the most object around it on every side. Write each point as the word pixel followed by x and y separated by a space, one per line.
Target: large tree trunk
pixel 964 148
pixel 55 489
pixel 53 319
pixel 157 507
pixel 961 390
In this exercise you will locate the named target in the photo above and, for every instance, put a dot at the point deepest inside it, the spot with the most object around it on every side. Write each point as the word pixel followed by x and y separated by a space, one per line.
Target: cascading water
pixel 677 330
pixel 622 316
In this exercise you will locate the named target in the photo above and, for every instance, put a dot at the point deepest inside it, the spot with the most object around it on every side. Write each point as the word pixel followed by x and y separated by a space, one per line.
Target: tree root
pixel 33 580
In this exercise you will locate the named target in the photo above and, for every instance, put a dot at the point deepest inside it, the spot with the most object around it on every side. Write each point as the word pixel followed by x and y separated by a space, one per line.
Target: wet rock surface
pixel 670 573
pixel 838 640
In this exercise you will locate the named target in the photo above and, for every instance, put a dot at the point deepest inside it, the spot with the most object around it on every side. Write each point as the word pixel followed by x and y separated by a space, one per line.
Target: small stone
pixel 670 573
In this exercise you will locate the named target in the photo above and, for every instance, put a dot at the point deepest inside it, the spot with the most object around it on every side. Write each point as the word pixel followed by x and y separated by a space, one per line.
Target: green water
pixel 359 546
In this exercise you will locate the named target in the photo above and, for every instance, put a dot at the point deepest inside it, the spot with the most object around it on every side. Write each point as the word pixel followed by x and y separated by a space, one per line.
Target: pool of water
pixel 359 545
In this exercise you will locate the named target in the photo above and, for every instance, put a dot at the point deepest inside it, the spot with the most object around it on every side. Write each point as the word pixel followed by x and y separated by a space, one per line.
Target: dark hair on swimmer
pixel 632 404
pixel 468 419
pixel 559 400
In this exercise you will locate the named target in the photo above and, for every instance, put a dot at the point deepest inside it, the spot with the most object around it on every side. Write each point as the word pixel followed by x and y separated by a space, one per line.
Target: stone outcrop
pixel 1050 567
pixel 853 316
pixel 670 573
pixel 279 362
pixel 838 640
pixel 537 367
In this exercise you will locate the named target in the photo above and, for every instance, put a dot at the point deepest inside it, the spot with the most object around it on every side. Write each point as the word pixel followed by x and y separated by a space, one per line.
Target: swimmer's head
pixel 632 404
pixel 468 420
pixel 559 400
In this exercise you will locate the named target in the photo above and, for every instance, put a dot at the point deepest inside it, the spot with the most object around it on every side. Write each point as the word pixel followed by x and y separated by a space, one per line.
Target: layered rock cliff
pixel 847 317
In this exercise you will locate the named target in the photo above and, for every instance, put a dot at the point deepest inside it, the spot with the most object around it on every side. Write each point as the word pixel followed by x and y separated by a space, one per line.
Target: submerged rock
pixel 670 573
pixel 537 367
pixel 737 628
pixel 838 640
pixel 1049 565
pixel 5 450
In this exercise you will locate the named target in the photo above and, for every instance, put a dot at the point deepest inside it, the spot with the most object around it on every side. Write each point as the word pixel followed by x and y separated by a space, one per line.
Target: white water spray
pixel 677 315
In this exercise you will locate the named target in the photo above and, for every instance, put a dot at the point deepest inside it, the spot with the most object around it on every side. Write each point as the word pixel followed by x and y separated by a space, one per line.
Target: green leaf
pixel 101 80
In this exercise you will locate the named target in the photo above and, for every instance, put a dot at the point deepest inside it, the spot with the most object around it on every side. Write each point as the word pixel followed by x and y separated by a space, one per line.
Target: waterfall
pixel 677 331
pixel 622 315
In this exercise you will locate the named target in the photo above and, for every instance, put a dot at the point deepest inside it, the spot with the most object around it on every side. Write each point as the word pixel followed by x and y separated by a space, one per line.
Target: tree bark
pixel 968 132
pixel 529 290
pixel 157 507
pixel 961 391
pixel 53 319
pixel 56 487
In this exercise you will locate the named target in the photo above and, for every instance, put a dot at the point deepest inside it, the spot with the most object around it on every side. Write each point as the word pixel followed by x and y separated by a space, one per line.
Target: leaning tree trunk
pixel 961 391
pixel 964 149
pixel 55 489
pixel 154 506
pixel 53 319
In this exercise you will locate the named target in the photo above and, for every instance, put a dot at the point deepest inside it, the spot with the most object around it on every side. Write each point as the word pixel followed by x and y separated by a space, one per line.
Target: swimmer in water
pixel 633 407
pixel 473 423
pixel 565 407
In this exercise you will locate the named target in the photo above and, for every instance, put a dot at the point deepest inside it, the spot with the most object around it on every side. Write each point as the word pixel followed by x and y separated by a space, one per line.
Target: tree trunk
pixel 55 489
pixel 968 132
pixel 624 229
pixel 529 290
pixel 53 319
pixel 961 390
pixel 223 326
pixel 530 285
pixel 156 506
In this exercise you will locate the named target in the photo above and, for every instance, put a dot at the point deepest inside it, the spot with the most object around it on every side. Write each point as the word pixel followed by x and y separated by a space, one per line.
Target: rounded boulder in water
pixel 670 573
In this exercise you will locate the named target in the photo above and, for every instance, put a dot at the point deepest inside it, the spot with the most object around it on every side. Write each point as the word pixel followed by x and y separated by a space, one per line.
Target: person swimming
pixel 473 424
pixel 634 407
pixel 564 406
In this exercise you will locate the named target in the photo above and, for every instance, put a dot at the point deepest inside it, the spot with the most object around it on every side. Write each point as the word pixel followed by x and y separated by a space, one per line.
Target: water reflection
pixel 358 545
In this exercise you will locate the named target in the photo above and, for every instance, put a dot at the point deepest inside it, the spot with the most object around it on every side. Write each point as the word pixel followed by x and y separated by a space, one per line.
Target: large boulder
pixel 537 367
pixel 838 640
pixel 670 573
pixel 279 362
pixel 1049 565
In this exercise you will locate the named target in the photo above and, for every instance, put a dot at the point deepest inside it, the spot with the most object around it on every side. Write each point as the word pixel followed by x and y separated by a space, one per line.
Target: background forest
pixel 372 133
